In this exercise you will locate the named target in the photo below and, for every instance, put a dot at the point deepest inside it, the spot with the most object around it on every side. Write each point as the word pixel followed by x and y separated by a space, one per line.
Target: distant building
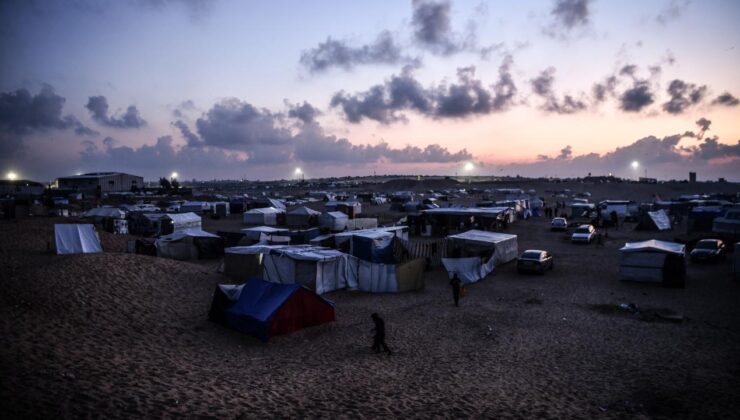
pixel 644 180
pixel 692 176
pixel 20 187
pixel 103 182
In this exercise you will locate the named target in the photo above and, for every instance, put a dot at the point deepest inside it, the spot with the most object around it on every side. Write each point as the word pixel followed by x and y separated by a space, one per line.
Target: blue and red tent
pixel 265 309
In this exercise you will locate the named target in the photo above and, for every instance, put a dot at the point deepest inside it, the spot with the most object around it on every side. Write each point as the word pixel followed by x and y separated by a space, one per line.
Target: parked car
pixel 583 234
pixel 534 260
pixel 559 223
pixel 708 250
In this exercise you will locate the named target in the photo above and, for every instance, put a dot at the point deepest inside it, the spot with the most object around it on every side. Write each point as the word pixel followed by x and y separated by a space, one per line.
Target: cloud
pixel 467 97
pixel 22 113
pixel 711 149
pixel 304 112
pixel 98 107
pixel 184 108
pixel 682 96
pixel 703 124
pixel 235 124
pixel 542 86
pixel 567 16
pixel 339 54
pixel 602 90
pixel 726 99
pixel 672 11
pixel 636 98
pixel 431 22
pixel 192 138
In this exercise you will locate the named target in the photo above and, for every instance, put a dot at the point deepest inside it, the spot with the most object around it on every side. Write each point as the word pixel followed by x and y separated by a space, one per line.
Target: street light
pixel 469 166
pixel 174 175
pixel 12 176
pixel 635 164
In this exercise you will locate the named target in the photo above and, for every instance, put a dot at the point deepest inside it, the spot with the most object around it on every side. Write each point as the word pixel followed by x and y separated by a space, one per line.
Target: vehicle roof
pixel 584 226
pixel 709 240
pixel 533 250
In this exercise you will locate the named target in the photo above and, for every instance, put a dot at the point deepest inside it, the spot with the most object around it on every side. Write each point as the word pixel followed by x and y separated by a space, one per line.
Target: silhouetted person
pixel 379 337
pixel 455 283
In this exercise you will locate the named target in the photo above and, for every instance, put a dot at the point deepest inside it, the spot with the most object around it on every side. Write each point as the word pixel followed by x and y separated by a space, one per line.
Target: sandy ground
pixel 126 336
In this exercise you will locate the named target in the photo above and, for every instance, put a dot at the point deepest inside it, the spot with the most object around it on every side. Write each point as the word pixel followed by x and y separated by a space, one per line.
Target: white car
pixel 583 234
pixel 559 223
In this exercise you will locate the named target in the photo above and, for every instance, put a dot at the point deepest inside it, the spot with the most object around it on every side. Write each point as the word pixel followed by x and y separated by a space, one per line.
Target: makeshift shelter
pixel 472 255
pixel 653 261
pixel 189 244
pixel 105 213
pixel 265 309
pixel 350 208
pixel 654 220
pixel 197 207
pixel 239 264
pixel 263 216
pixel 76 239
pixel 256 233
pixel 336 221
pixel 302 217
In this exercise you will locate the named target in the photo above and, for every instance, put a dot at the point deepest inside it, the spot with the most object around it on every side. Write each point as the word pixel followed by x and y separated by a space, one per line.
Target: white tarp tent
pixel 254 233
pixel 336 221
pixel 184 221
pixel 262 216
pixel 505 246
pixel 653 261
pixel 474 254
pixel 76 239
pixel 469 270
pixel 301 216
pixel 180 245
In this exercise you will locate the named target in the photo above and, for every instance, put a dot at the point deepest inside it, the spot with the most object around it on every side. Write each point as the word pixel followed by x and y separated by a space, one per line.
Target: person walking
pixel 379 337
pixel 455 283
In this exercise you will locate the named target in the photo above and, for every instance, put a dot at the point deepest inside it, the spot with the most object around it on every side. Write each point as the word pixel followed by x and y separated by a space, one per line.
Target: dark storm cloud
pixel 711 148
pixel 98 107
pixel 432 28
pixel 467 97
pixel 682 96
pixel 566 153
pixel 305 112
pixel 339 54
pixel 672 11
pixel 542 86
pixel 636 98
pixel 726 99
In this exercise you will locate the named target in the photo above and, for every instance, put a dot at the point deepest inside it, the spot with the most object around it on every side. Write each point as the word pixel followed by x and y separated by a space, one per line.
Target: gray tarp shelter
pixel 76 239
pixel 188 244
pixel 336 221
pixel 302 217
pixel 653 261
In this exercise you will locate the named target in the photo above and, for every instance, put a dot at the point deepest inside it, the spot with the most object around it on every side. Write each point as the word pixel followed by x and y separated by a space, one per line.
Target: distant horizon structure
pixel 103 182
pixel 692 177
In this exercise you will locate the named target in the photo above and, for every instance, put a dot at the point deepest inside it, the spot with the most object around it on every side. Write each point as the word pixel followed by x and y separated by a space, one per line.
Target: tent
pixel 194 206
pixel 262 216
pixel 336 221
pixel 240 264
pixel 189 244
pixel 502 246
pixel 302 217
pixel 76 239
pixel 105 213
pixel 256 232
pixel 653 261
pixel 654 220
pixel 475 253
pixel 265 309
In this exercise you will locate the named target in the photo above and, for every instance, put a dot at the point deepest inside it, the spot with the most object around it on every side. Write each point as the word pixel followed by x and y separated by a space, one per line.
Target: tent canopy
pixel 76 239
pixel 265 210
pixel 654 245
pixel 482 236
pixel 106 212
pixel 304 211
pixel 183 218
pixel 187 233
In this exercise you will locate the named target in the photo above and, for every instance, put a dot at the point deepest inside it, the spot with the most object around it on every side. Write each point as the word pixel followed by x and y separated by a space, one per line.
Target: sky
pixel 216 89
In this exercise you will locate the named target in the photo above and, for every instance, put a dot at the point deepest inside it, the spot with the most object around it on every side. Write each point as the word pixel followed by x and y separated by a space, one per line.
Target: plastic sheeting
pixel 505 247
pixel 469 270
pixel 76 239
pixel 654 245
pixel 262 216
